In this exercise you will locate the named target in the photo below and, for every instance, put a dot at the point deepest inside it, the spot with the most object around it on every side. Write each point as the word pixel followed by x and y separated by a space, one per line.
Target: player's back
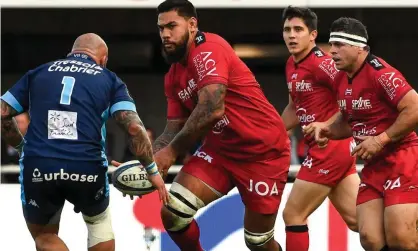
pixel 69 103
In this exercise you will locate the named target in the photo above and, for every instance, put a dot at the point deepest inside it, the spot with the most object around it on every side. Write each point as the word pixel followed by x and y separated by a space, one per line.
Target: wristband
pixel 152 169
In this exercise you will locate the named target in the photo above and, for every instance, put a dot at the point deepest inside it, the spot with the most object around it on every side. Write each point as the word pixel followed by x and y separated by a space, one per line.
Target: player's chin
pixel 340 66
pixel 294 50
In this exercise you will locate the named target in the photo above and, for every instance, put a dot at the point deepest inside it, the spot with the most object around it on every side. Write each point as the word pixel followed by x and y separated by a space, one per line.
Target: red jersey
pixel 369 99
pixel 251 129
pixel 311 86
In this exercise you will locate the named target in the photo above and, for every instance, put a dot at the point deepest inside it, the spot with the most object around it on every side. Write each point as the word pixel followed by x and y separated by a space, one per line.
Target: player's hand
pixel 115 163
pixel 320 131
pixel 158 182
pixel 164 159
pixel 368 148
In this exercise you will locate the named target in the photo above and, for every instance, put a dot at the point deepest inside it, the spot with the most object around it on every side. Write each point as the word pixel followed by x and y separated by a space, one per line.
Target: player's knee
pixel 45 242
pixel 258 241
pixel 99 228
pixel 292 217
pixel 182 207
pixel 352 224
pixel 370 241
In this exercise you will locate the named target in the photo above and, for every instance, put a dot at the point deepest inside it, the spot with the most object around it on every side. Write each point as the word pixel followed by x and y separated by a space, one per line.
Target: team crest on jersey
pixel 200 38
pixel 294 76
pixel 375 62
pixel 318 52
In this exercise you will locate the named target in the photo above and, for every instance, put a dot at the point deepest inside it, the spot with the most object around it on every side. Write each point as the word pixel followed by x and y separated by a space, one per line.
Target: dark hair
pixel 352 26
pixel 308 16
pixel 184 8
pixel 349 25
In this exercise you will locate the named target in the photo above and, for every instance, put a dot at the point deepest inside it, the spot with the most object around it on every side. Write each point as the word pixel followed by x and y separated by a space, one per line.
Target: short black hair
pixel 349 25
pixel 352 26
pixel 307 15
pixel 184 8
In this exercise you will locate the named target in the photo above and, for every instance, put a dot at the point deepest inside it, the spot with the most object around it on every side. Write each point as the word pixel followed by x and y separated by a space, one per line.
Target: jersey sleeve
pixel 210 64
pixel 175 108
pixel 326 72
pixel 120 99
pixel 392 85
pixel 18 96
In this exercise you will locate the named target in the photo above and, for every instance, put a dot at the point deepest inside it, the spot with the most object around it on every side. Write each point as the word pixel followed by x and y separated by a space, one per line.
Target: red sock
pixel 297 238
pixel 187 239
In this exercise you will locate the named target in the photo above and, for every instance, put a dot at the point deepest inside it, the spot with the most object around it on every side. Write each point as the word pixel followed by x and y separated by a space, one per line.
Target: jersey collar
pixel 80 55
pixel 303 59
pixel 350 80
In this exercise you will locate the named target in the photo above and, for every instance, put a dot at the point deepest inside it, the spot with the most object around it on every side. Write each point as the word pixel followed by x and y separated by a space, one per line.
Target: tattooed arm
pixel 172 128
pixel 139 143
pixel 208 111
pixel 9 129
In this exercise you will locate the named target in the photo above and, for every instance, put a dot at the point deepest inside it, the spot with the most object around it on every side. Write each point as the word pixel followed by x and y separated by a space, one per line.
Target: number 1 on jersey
pixel 67 90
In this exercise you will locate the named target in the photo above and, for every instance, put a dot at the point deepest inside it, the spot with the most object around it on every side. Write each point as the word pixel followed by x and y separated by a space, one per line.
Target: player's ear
pixel 192 24
pixel 314 35
pixel 103 61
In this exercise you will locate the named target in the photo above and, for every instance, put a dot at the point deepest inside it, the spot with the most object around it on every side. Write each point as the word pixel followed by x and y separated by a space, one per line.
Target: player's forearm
pixel 9 130
pixel 208 111
pixel 334 117
pixel 406 122
pixel 138 141
pixel 198 124
pixel 289 117
pixel 172 128
pixel 340 129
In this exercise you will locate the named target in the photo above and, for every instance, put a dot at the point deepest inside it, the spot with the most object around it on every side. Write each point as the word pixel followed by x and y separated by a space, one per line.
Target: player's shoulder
pixel 378 66
pixel 210 40
pixel 318 57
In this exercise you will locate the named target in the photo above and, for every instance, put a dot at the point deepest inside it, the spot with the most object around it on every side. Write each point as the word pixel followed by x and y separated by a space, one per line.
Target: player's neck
pixel 87 52
pixel 183 61
pixel 301 55
pixel 357 65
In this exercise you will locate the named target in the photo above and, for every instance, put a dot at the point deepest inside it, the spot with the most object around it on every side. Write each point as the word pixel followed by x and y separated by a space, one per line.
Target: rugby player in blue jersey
pixel 63 153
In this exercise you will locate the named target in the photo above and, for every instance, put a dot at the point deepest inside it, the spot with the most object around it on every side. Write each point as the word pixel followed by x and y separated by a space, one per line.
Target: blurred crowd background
pixel 30 37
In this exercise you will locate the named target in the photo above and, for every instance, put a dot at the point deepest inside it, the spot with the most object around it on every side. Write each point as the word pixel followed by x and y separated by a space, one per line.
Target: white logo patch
pixel 62 125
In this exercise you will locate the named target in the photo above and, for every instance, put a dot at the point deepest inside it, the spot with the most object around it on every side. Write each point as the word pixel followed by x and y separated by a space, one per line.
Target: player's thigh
pixel 401 226
pixel 86 186
pixel 401 198
pixel 371 224
pixel 344 197
pixel 261 183
pixel 328 166
pixel 205 176
pixel 42 201
pixel 304 198
pixel 201 181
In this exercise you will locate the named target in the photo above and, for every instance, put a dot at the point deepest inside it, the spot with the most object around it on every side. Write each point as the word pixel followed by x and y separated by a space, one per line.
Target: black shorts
pixel 46 183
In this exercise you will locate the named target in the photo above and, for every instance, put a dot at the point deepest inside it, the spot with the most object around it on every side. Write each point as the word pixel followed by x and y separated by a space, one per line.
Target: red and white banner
pixel 326 228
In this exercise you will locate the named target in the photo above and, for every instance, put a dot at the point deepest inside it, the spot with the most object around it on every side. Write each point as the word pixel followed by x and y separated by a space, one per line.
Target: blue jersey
pixel 69 101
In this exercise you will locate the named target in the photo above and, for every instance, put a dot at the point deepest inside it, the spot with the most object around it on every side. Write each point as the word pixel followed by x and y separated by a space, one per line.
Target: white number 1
pixel 67 90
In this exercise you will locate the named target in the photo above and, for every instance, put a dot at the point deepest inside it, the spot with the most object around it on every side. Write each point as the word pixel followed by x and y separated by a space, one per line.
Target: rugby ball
pixel 131 178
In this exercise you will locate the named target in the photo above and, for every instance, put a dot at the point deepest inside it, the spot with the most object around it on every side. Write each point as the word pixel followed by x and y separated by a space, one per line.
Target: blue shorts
pixel 46 183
